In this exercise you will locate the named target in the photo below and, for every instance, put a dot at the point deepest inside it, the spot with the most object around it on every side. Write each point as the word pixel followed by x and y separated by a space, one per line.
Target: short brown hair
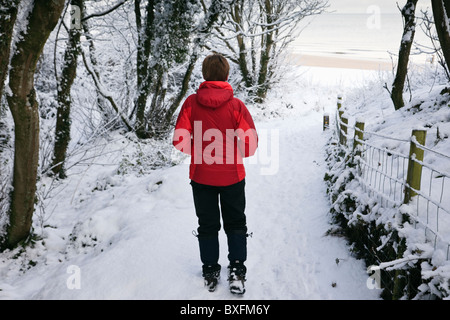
pixel 215 68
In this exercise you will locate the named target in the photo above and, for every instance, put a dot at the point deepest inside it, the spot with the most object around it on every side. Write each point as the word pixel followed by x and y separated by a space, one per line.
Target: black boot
pixel 211 274
pixel 236 277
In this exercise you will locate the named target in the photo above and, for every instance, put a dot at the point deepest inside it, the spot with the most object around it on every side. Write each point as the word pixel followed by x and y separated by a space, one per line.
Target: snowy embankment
pixel 369 196
pixel 117 229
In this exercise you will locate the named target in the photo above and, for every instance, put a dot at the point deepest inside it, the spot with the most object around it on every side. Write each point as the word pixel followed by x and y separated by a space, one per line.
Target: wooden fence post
pixel 414 175
pixel 339 106
pixel 326 121
pixel 339 102
pixel 413 179
pixel 359 135
pixel 343 132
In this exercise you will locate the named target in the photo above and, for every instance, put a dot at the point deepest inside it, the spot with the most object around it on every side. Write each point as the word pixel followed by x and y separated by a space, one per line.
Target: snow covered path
pixel 290 256
pixel 144 248
pixel 133 238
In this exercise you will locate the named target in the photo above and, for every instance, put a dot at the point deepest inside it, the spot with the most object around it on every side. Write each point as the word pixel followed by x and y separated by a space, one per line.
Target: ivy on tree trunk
pixel 68 73
pixel 8 15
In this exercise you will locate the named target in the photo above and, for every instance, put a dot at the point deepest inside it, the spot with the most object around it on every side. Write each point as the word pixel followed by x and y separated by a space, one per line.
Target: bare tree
pixel 409 29
pixel 199 38
pixel 68 73
pixel 65 81
pixel 41 20
pixel 255 33
pixel 170 37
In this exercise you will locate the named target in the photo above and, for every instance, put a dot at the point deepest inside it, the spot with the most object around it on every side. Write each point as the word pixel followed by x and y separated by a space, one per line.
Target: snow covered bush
pixel 146 156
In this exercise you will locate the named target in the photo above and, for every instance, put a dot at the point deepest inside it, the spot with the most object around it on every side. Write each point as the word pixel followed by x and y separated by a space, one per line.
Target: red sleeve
pixel 246 131
pixel 183 129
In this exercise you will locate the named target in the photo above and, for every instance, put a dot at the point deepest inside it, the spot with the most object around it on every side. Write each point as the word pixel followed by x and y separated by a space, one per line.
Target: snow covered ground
pixel 105 235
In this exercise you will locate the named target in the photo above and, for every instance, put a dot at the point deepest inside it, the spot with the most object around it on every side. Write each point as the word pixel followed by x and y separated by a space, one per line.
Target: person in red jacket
pixel 217 130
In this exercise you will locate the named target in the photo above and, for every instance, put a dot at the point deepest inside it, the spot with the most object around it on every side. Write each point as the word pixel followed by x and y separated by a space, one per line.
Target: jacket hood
pixel 213 94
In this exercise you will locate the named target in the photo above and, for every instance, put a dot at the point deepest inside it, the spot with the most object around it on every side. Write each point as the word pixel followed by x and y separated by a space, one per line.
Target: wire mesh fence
pixel 414 183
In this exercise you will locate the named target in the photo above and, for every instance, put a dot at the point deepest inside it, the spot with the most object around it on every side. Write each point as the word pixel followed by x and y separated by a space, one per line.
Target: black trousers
pixel 212 202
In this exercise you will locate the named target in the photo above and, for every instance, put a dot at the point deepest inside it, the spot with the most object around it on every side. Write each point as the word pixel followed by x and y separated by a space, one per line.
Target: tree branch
pixel 104 13
pixel 106 95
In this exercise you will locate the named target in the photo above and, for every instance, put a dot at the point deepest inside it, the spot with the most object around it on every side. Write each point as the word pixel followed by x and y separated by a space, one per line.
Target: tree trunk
pixel 143 54
pixel 8 15
pixel 242 58
pixel 441 13
pixel 408 13
pixel 265 54
pixel 24 108
pixel 68 74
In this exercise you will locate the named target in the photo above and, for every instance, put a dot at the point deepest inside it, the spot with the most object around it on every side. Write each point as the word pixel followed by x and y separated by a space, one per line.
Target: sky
pixel 362 6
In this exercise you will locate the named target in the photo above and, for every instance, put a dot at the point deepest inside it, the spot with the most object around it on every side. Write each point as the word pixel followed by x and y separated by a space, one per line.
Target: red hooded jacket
pixel 217 130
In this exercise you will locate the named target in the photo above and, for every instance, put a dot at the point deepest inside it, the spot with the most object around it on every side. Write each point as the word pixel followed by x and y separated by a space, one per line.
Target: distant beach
pixel 340 62
pixel 350 41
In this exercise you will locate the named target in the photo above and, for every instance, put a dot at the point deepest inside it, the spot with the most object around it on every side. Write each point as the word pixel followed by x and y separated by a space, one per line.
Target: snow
pixel 118 229
pixel 407 36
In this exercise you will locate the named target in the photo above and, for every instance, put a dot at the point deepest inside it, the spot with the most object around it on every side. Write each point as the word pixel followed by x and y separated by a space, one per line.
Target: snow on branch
pixel 104 13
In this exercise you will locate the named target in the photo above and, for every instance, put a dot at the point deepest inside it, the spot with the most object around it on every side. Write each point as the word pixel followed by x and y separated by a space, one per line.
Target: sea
pixel 372 36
